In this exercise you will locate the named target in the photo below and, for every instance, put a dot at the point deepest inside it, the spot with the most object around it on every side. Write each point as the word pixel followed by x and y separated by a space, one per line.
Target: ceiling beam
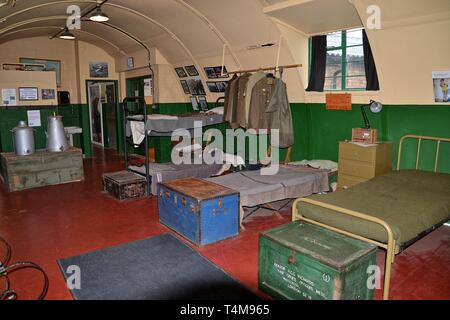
pixel 113 5
pixel 78 31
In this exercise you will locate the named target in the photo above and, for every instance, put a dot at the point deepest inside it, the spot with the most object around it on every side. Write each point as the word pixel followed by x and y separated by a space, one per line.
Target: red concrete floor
pixel 47 224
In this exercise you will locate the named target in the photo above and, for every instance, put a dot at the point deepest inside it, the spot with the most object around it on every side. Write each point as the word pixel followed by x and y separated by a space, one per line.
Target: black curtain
pixel 318 63
pixel 369 64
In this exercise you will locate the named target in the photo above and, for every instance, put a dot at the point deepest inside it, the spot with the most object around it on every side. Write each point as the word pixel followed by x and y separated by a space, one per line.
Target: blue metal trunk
pixel 200 211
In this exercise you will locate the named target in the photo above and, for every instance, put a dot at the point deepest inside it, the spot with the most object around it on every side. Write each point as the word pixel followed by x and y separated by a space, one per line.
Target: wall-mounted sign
pixel 441 82
pixel 339 101
pixel 28 94
pixel 9 97
pixel 130 62
pixel 34 118
pixel 148 90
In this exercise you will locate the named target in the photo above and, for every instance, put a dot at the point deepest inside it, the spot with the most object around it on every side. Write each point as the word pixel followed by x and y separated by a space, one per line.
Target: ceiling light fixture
pixel 67 35
pixel 99 15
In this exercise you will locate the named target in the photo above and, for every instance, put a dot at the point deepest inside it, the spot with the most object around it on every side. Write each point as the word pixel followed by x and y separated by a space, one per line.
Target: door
pixel 95 112
pixel 111 115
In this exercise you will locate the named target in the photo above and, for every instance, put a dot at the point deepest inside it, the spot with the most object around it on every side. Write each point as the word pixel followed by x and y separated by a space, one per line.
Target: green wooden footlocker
pixel 301 261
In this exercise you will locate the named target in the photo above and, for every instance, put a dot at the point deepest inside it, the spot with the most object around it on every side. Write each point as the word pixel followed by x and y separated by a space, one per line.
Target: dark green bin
pixel 301 261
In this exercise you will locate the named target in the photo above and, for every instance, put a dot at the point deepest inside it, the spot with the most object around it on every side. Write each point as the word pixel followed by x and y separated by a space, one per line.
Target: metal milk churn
pixel 23 139
pixel 56 136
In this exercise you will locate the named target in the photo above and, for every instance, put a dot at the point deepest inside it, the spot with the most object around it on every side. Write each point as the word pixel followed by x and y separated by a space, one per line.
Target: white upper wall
pixel 185 32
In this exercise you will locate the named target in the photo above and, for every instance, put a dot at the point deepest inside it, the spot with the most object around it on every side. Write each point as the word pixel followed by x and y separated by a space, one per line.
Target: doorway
pixel 102 100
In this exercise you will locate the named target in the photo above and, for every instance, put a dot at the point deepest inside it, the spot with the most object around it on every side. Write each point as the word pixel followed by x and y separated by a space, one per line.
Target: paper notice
pixel 9 97
pixel 34 118
pixel 148 87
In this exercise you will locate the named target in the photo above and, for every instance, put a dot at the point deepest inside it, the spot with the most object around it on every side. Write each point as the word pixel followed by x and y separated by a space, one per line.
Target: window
pixel 345 61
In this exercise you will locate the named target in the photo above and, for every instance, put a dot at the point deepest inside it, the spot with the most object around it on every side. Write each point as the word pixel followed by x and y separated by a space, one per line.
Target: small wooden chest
pixel 41 169
pixel 368 136
pixel 201 211
pixel 301 261
pixel 124 185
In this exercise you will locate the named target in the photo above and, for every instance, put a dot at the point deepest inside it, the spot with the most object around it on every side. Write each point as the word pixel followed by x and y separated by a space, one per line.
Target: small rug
pixel 157 268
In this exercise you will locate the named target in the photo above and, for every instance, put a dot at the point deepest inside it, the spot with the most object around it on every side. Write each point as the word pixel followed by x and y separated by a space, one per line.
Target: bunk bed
pixel 392 211
pixel 137 120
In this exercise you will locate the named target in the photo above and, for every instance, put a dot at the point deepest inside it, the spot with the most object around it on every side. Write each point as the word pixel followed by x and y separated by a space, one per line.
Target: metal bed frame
pixel 129 140
pixel 141 111
pixel 390 246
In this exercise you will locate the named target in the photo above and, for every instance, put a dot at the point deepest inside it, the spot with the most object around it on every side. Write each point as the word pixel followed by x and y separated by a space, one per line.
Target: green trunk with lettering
pixel 302 261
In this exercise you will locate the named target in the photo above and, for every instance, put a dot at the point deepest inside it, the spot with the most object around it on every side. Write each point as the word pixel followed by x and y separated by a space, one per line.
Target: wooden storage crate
pixel 201 211
pixel 41 169
pixel 368 136
pixel 124 185
pixel 302 261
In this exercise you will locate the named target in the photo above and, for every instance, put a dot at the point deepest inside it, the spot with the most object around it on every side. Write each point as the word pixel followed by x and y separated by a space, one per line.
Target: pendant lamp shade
pixel 99 15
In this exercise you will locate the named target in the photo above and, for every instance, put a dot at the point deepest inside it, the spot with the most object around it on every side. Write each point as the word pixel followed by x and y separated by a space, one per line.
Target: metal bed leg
pixel 388 268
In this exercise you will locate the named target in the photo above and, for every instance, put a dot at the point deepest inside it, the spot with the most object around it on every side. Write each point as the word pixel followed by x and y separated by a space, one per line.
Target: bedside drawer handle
pixel 167 194
pixel 192 208
pixel 292 258
pixel 183 202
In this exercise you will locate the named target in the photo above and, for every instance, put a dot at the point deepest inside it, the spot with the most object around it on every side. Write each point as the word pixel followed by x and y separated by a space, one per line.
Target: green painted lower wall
pixel 318 131
pixel 73 115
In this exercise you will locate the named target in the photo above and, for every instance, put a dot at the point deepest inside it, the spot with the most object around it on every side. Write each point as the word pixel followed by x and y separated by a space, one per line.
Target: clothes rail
pixel 268 68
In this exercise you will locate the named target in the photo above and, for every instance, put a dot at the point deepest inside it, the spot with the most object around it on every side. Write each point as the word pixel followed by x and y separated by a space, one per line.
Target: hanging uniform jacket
pixel 241 99
pixel 280 114
pixel 230 98
pixel 252 80
pixel 258 118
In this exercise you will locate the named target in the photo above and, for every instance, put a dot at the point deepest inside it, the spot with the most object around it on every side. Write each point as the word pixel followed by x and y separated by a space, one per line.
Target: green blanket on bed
pixel 410 201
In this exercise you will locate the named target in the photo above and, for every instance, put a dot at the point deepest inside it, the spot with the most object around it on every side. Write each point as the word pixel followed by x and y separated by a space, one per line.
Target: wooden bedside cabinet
pixel 358 163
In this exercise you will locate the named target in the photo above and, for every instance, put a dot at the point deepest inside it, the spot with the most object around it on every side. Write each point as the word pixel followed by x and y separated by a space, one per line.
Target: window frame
pixel 343 47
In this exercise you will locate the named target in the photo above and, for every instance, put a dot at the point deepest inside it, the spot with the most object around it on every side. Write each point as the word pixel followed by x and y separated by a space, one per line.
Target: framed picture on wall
pixel 28 94
pixel 130 63
pixel 219 74
pixel 185 86
pixel 210 72
pixel 192 71
pixel 194 103
pixel 196 87
pixel 180 72
pixel 212 87
pixel 203 103
pixel 98 69
pixel 48 94
pixel 49 65
pixel 221 86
